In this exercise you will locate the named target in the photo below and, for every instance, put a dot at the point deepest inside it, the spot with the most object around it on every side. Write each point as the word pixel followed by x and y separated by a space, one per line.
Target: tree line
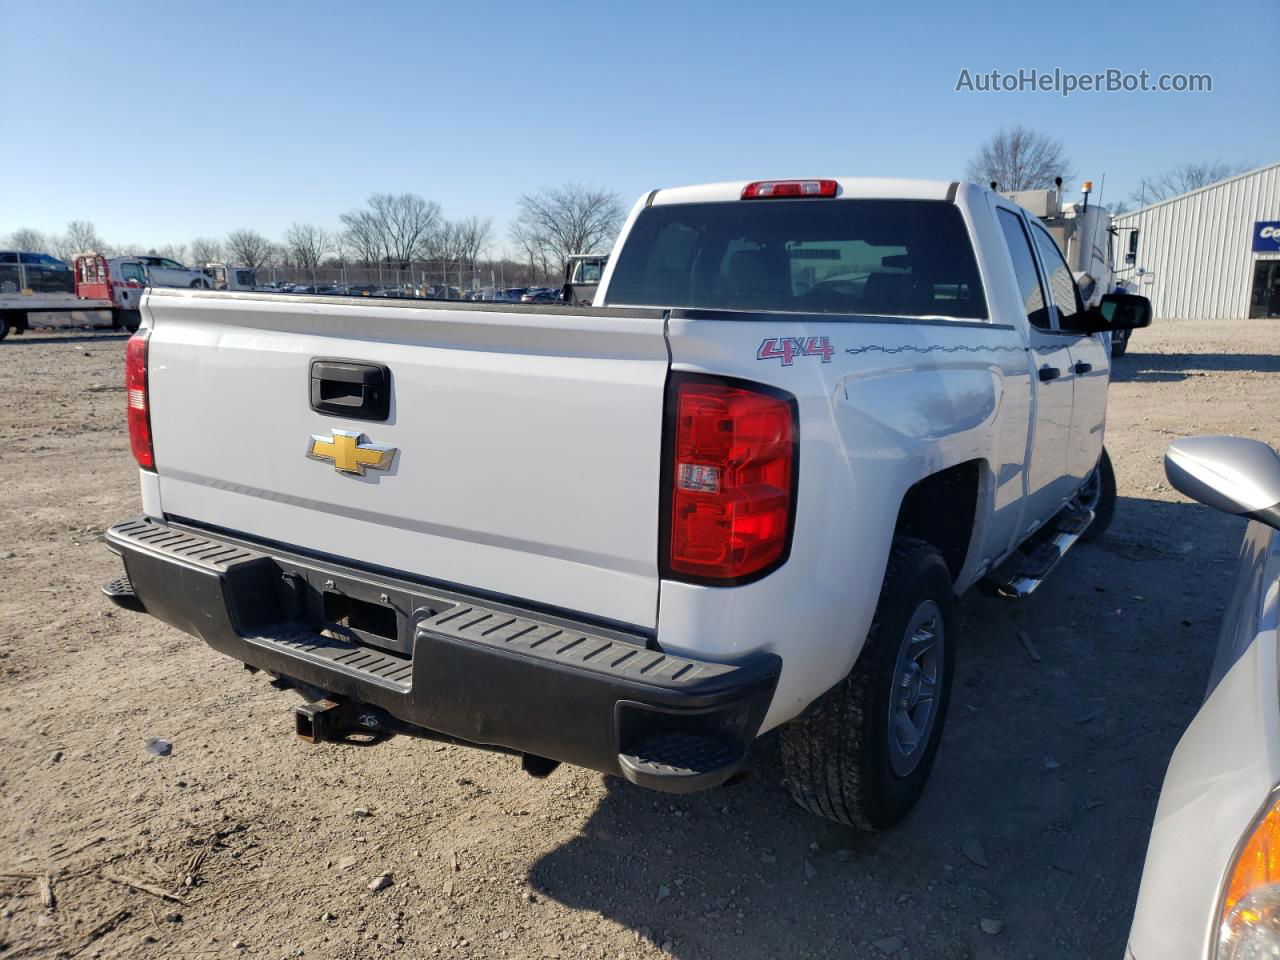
pixel 401 233
pixel 393 233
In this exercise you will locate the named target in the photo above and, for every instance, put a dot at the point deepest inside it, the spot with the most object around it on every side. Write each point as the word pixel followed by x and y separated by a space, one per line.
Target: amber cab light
pixel 732 449
pixel 138 400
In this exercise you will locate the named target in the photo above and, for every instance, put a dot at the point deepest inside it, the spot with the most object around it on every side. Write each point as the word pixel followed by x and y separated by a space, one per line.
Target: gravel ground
pixel 1028 843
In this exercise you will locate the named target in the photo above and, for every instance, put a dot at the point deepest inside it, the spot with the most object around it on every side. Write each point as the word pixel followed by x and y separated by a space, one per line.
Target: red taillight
pixel 733 450
pixel 768 189
pixel 135 386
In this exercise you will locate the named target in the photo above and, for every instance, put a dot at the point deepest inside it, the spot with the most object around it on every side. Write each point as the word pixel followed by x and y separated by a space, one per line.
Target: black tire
pixel 1118 347
pixel 199 285
pixel 1104 507
pixel 837 756
pixel 4 326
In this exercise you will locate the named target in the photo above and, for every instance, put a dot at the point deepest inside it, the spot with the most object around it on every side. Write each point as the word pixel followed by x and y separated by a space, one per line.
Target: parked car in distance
pixel 165 272
pixel 38 272
pixel 302 288
pixel 230 277
pixel 542 295
pixel 1211 884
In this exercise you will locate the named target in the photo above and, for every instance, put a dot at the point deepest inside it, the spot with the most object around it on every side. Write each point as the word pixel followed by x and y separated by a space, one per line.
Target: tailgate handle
pixel 349 388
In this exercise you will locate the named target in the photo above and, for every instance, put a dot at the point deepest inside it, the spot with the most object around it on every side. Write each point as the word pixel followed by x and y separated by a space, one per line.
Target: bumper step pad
pixel 120 592
pixel 343 655
pixel 683 762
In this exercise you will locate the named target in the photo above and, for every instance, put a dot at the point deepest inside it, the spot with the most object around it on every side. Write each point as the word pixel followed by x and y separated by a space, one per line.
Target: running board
pixel 1022 574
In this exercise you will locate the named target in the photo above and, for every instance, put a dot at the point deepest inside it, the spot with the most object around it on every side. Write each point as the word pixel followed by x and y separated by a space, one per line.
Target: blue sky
pixel 161 123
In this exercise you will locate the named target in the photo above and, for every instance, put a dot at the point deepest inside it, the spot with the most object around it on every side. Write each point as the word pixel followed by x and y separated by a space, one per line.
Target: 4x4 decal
pixel 787 349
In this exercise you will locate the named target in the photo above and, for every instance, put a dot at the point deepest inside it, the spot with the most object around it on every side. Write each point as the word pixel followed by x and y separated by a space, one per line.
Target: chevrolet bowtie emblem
pixel 350 452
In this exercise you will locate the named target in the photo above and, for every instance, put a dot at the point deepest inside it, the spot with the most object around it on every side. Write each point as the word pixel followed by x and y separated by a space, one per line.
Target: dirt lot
pixel 1048 775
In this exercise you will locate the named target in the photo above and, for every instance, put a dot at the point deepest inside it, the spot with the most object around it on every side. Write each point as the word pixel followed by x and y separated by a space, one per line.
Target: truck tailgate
pixel 527 440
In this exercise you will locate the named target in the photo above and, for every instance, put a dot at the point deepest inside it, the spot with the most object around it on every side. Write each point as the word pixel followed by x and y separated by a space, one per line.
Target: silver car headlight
pixel 1251 929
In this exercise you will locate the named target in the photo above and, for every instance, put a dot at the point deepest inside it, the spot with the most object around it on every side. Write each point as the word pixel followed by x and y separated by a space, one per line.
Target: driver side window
pixel 1062 286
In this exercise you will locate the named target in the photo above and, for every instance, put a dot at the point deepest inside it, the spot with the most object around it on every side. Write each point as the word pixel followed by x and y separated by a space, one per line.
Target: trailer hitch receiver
pixel 331 720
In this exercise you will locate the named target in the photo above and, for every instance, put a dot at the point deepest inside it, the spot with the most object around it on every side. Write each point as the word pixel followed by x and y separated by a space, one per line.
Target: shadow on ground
pixel 1047 777
pixel 1169 367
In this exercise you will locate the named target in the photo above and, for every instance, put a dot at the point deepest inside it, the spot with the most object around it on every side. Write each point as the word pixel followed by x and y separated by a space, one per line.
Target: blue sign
pixel 1266 236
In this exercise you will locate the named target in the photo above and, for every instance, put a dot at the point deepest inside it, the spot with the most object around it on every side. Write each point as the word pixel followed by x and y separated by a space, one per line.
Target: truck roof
pixel 867 187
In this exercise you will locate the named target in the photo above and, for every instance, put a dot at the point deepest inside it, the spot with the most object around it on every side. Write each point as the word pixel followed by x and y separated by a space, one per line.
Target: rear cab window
pixel 849 256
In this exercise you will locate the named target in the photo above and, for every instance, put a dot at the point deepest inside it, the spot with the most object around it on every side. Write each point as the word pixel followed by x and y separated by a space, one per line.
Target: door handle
pixel 1083 367
pixel 1048 373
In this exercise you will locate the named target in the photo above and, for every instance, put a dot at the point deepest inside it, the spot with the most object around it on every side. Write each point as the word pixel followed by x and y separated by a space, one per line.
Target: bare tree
pixel 404 221
pixel 248 248
pixel 27 240
pixel 531 250
pixel 444 245
pixel 362 235
pixel 307 244
pixel 474 236
pixel 1020 159
pixel 81 237
pixel 1183 178
pixel 561 221
pixel 205 250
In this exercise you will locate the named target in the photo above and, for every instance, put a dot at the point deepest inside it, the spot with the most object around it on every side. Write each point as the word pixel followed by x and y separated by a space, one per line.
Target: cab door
pixel 129 283
pixel 1052 376
pixel 1090 361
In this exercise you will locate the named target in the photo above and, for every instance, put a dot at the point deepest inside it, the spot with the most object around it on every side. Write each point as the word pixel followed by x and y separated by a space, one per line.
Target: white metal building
pixel 1213 253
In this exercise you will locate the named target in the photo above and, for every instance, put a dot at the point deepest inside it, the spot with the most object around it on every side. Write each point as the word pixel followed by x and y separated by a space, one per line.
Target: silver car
pixel 1211 884
pixel 164 272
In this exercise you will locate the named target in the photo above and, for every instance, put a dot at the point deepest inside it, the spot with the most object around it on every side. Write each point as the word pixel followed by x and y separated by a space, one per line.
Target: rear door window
pixel 877 257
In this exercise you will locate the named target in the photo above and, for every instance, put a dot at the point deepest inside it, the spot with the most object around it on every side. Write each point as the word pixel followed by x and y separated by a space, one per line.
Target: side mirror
pixel 1125 311
pixel 1231 474
pixel 1116 311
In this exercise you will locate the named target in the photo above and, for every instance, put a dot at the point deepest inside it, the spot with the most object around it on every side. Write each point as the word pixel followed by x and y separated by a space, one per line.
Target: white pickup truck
pixel 740 492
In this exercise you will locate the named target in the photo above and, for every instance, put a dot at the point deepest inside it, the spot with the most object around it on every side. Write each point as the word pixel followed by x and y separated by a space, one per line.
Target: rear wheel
pixel 1119 344
pixel 4 326
pixel 862 754
pixel 1099 495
